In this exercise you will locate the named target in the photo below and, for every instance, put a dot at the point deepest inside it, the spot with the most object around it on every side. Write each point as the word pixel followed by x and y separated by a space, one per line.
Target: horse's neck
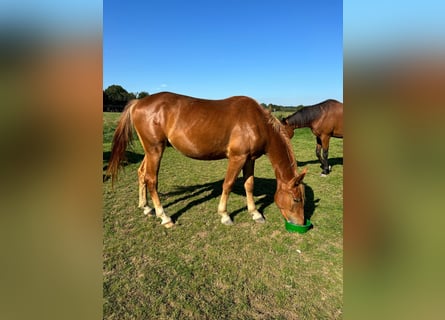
pixel 301 125
pixel 281 157
pixel 303 119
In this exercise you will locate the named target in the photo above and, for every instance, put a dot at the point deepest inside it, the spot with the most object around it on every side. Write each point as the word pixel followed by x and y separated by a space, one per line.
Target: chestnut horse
pixel 325 120
pixel 237 128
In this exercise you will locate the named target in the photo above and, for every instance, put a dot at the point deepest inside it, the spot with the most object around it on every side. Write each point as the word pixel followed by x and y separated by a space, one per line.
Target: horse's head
pixel 289 198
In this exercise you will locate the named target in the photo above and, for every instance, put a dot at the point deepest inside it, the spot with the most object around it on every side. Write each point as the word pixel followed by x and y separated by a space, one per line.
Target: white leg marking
pixel 148 211
pixel 257 216
pixel 166 220
pixel 225 219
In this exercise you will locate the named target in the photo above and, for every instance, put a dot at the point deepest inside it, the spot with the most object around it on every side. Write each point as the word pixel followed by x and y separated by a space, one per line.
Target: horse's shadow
pixel 264 192
pixel 332 162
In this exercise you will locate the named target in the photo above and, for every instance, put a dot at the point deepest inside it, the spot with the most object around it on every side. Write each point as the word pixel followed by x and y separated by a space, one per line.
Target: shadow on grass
pixel 264 192
pixel 332 162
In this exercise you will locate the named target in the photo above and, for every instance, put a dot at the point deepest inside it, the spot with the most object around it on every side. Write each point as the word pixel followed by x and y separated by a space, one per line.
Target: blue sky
pixel 381 27
pixel 285 52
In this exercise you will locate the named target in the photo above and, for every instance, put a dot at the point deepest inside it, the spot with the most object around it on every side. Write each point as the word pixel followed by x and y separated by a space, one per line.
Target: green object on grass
pixel 291 227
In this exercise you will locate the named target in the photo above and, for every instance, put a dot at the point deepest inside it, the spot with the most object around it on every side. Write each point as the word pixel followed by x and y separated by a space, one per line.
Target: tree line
pixel 115 97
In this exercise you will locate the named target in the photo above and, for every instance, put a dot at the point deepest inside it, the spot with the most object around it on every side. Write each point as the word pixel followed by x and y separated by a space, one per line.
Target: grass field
pixel 201 269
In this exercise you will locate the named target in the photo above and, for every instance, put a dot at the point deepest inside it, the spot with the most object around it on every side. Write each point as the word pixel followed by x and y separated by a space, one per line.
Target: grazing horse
pixel 237 128
pixel 325 120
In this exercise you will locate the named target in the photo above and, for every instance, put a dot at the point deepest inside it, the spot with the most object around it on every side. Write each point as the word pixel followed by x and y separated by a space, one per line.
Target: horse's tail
pixel 122 137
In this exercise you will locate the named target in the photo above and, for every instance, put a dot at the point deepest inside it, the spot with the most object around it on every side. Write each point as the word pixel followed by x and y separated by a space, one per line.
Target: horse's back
pixel 200 128
pixel 329 121
pixel 178 107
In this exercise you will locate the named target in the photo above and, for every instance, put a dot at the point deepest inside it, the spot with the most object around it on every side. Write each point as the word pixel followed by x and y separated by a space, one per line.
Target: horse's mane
pixel 278 127
pixel 305 116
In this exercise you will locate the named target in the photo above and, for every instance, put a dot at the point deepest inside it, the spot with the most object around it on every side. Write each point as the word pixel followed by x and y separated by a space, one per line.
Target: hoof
pixel 325 172
pixel 169 224
pixel 227 221
pixel 259 220
pixel 323 175
pixel 257 217
pixel 149 211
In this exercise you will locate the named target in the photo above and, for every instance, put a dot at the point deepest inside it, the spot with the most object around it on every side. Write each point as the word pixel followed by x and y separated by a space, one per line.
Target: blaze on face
pixel 290 199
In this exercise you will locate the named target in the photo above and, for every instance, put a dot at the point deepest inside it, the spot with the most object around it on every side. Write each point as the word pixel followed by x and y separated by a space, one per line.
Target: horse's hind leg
pixel 152 159
pixel 248 174
pixel 143 203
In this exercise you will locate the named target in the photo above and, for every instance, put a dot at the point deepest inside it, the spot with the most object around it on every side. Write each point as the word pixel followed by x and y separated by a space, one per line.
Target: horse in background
pixel 325 120
pixel 237 128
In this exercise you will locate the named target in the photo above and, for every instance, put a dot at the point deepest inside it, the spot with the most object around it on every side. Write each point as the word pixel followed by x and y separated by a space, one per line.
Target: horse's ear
pixel 297 180
pixel 301 176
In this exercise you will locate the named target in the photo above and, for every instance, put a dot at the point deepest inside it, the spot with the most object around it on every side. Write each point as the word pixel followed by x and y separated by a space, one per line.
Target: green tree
pixel 142 94
pixel 116 95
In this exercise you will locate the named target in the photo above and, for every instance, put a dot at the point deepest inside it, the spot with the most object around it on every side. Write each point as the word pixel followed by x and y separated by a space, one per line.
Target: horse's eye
pixel 297 200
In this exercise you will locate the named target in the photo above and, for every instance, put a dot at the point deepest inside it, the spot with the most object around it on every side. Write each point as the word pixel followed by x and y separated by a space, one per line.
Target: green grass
pixel 201 269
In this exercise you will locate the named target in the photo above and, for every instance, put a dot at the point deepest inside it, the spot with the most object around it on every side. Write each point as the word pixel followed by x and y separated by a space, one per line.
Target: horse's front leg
pixel 248 174
pixel 233 170
pixel 324 159
pixel 318 150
